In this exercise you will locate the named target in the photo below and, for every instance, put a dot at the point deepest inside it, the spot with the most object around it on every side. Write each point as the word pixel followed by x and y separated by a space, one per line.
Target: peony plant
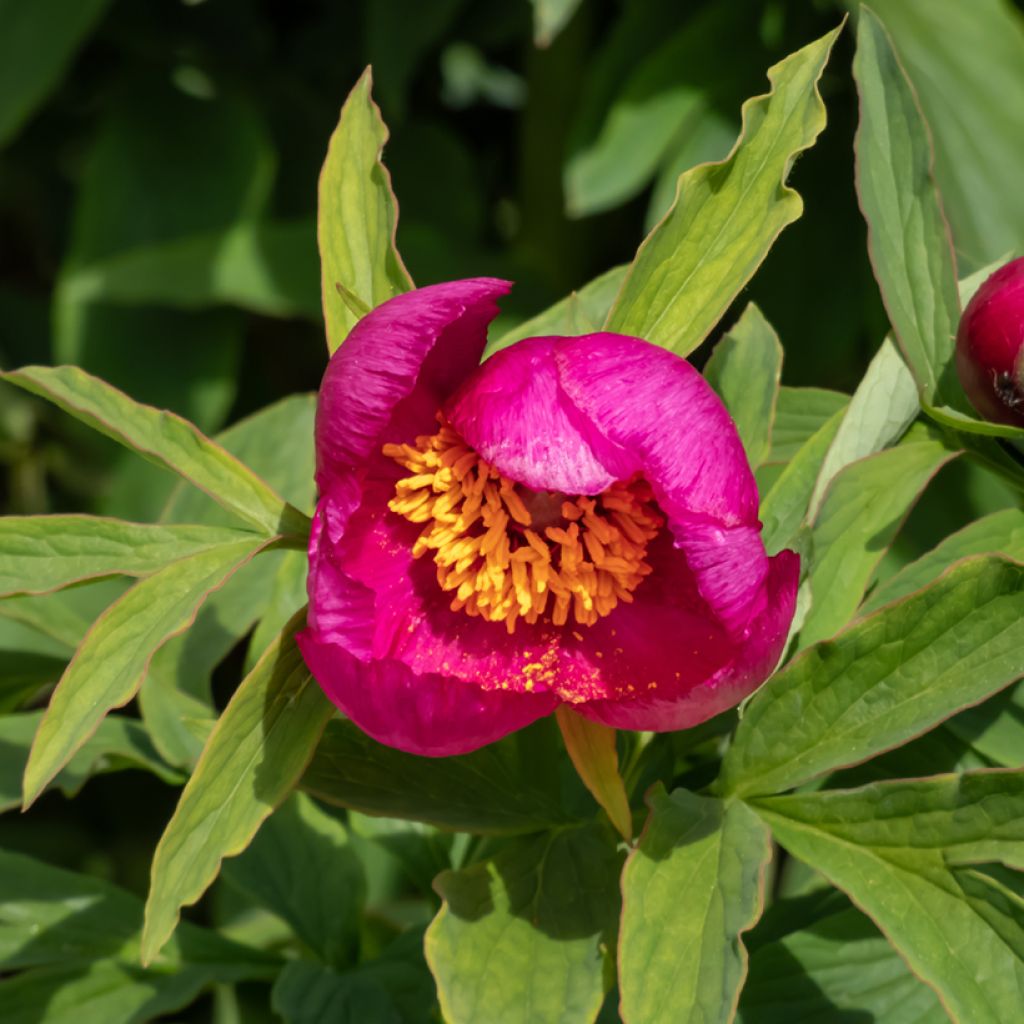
pixel 597 651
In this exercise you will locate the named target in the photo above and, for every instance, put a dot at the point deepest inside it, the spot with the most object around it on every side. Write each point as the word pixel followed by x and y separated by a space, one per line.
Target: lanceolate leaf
pixel 508 787
pixel 163 438
pixel 785 506
pixel 113 659
pixel 744 369
pixel 357 216
pixel 694 883
pixel 251 762
pixel 894 847
pixel 519 937
pixel 43 553
pixel 883 681
pixel 908 238
pixel 1000 533
pixel 838 968
pixel 863 508
pixel 119 742
pixel 726 216
pixel 883 406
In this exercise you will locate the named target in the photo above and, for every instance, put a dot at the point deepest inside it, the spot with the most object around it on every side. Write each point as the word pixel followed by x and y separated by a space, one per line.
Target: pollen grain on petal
pixel 509 553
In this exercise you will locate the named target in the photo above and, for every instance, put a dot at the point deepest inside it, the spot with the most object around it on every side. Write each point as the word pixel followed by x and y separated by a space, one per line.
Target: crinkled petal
pixel 514 412
pixel 393 372
pixel 671 707
pixel 432 715
pixel 574 414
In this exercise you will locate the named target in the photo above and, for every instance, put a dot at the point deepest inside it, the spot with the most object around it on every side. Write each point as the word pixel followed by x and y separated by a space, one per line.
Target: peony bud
pixel 989 345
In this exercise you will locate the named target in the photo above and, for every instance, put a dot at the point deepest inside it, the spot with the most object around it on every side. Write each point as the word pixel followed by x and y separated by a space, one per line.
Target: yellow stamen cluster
pixel 499 562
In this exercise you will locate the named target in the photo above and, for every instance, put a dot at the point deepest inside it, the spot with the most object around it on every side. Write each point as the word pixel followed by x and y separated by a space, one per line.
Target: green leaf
pixel 53 916
pixel 118 743
pixel 109 666
pixel 799 414
pixel 520 936
pixel 884 680
pixel 744 369
pixel 301 867
pixel 582 312
pixel 785 505
pixel 838 969
pixel 591 747
pixel 972 818
pixel 141 186
pixel 998 533
pixel 908 238
pixel 688 966
pixel 859 517
pixel 975 109
pixel 894 847
pixel 276 443
pixel 176 699
pixel 550 17
pixel 254 757
pixel 60 925
pixel 385 991
pixel 970 424
pixel 163 438
pixel 504 788
pixel 43 553
pixel 266 267
pixel 655 107
pixel 37 45
pixel 883 406
pixel 357 215
pixel 726 216
pixel 65 615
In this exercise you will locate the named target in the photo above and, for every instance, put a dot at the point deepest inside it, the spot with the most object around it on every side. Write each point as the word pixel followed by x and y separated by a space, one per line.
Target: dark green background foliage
pixel 158 187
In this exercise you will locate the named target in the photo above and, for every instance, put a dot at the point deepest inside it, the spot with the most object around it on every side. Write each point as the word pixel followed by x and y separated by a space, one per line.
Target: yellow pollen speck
pixel 502 565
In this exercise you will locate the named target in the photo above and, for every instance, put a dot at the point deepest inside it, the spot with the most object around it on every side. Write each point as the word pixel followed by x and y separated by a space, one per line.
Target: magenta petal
pixel 514 412
pixel 431 714
pixel 663 709
pixel 398 365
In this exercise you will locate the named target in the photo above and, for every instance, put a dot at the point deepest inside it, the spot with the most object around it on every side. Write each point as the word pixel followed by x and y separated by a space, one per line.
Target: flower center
pixel 509 552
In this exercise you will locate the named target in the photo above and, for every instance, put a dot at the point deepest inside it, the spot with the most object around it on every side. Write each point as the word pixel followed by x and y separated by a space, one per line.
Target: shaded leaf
pixel 118 743
pixel 300 866
pixel 506 787
pixel 38 42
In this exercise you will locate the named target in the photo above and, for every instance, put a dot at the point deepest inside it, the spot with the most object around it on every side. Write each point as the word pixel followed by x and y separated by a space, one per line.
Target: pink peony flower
pixel 572 521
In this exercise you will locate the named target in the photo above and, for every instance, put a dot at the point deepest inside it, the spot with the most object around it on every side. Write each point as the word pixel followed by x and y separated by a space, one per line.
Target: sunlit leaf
pixel 884 680
pixel 357 216
pixel 727 215
pixel 684 961
pixel 251 761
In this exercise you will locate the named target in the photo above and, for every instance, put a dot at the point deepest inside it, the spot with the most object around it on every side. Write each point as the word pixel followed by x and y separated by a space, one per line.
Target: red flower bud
pixel 989 346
